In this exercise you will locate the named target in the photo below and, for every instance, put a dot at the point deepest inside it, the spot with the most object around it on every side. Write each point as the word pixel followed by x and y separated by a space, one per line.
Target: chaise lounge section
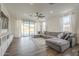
pixel 58 44
pixel 61 41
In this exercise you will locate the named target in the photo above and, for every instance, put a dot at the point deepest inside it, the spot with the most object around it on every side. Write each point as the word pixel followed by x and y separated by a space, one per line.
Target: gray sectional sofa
pixel 60 41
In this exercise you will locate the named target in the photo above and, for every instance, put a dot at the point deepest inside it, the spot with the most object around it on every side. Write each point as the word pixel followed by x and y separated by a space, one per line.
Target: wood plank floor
pixel 27 46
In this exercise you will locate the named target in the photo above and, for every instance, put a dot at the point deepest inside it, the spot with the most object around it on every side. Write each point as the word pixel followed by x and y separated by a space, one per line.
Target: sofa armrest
pixel 73 42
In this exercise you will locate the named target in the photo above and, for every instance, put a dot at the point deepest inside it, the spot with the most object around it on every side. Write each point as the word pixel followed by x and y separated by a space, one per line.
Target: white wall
pixel 18 32
pixel 13 24
pixel 0 18
pixel 7 14
pixel 53 24
pixel 0 7
pixel 77 26
pixel 12 20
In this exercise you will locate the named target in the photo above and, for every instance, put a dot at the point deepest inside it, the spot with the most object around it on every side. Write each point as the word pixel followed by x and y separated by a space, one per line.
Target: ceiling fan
pixel 39 15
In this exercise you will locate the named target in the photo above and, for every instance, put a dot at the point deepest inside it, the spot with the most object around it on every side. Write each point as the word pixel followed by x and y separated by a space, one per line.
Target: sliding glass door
pixel 32 28
pixel 28 28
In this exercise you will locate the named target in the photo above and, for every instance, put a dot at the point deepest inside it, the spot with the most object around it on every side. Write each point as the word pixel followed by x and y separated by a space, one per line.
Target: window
pixel 67 23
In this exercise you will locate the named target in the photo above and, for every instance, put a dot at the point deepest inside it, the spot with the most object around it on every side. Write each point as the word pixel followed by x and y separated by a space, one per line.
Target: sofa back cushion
pixel 51 33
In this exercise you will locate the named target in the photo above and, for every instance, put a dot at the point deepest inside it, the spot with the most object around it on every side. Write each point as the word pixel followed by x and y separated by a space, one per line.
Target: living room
pixel 39 29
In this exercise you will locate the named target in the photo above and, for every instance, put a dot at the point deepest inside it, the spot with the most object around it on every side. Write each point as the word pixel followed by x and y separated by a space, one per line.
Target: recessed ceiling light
pixel 51 12
pixel 31 3
pixel 25 14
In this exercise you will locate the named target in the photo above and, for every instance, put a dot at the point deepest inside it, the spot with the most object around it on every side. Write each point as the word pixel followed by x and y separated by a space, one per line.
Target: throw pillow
pixel 64 35
pixel 60 35
pixel 67 37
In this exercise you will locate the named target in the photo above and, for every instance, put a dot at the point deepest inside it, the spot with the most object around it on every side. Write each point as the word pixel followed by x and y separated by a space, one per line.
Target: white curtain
pixel 18 32
pixel 73 23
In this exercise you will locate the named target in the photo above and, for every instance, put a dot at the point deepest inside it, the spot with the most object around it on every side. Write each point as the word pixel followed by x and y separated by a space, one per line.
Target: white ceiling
pixel 23 10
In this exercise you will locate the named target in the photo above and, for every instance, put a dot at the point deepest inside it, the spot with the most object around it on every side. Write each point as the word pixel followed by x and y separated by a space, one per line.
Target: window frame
pixel 68 24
